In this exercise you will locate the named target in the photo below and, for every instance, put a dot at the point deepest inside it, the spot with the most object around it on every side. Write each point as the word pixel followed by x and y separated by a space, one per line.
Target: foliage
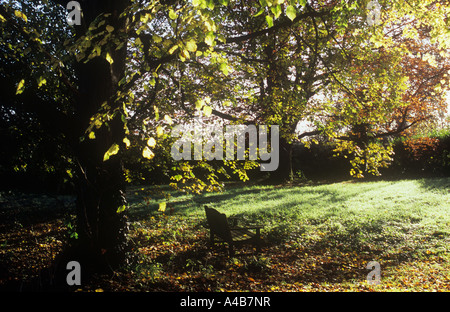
pixel 172 59
pixel 34 150
pixel 428 155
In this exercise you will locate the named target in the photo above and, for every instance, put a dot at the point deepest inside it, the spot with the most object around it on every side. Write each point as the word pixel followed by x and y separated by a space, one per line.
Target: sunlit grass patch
pixel 317 237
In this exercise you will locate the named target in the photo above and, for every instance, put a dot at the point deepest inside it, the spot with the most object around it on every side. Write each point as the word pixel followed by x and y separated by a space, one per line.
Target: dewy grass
pixel 355 211
pixel 317 237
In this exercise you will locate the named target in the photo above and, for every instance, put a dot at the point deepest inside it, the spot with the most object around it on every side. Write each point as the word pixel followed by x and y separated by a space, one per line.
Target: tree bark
pixel 100 186
pixel 284 172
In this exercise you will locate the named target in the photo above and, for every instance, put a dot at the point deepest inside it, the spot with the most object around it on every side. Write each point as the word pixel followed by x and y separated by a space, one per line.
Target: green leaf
pixel 156 38
pixel 184 54
pixel 199 104
pixel 80 56
pixel 259 12
pixel 172 14
pixel 207 110
pixel 210 37
pixel 138 41
pixel 191 45
pixel 178 177
pixel 269 20
pixel 145 17
pixel 113 150
pixel 291 12
pixel 98 50
pixel 20 86
pixel 224 68
pixel 276 10
pixel 121 209
pixel 159 131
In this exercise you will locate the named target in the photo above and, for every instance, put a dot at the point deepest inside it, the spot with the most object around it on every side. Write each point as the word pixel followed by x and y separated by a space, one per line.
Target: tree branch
pixel 65 80
pixel 283 23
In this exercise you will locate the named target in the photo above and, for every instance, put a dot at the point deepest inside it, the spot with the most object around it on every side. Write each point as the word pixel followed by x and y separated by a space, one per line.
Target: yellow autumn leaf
pixel 126 141
pixel 191 45
pixel 207 110
pixel 156 38
pixel 159 131
pixel 173 49
pixel 41 81
pixel 147 153
pixel 162 207
pixel 151 142
pixel 21 15
pixel 121 209
pixel 92 135
pixel 138 41
pixel 20 86
pixel 110 28
pixel 109 58
pixel 168 119
pixel 113 150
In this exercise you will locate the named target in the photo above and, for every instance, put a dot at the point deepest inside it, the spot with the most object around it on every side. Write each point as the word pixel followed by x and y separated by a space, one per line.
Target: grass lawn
pixel 317 238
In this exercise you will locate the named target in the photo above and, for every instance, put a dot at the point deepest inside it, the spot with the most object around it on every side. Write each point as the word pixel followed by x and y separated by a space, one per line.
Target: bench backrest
pixel 218 223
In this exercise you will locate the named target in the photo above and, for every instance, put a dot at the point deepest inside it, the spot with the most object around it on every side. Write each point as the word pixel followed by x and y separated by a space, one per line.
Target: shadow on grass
pixel 22 210
pixel 266 199
pixel 441 185
pixel 185 204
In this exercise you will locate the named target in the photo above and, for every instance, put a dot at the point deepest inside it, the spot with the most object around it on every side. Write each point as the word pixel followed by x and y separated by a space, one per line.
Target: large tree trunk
pixel 284 172
pixel 100 186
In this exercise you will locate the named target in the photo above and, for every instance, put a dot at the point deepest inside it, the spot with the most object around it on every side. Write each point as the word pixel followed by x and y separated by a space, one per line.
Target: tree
pixel 397 81
pixel 97 73
pixel 85 88
pixel 310 66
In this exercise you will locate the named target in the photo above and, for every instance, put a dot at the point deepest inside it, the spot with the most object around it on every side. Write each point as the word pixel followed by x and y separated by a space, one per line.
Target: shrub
pixel 428 155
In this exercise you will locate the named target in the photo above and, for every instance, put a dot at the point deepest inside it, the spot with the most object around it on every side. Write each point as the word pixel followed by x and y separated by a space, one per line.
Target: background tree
pixel 397 81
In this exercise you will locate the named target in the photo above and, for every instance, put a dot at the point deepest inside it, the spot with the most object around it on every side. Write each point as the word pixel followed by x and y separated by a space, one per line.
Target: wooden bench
pixel 234 236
